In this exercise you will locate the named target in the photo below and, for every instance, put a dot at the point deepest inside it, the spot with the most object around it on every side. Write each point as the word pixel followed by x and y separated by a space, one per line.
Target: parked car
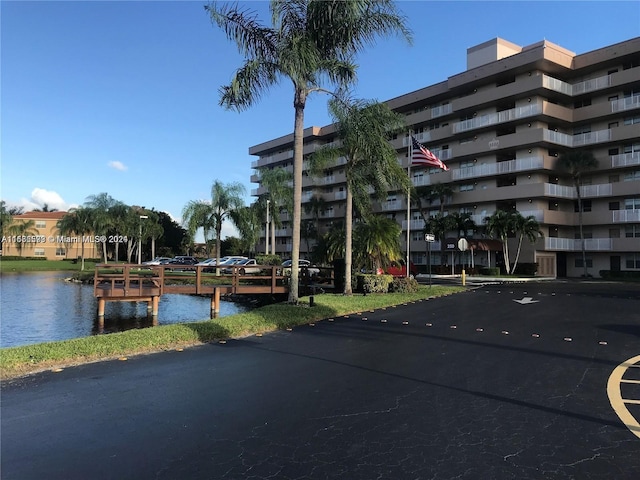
pixel 399 269
pixel 157 261
pixel 312 271
pixel 183 260
pixel 244 266
pixel 210 263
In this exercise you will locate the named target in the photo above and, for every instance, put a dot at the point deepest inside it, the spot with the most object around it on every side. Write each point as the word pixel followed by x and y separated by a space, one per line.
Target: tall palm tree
pixel 431 193
pixel 225 199
pixel 364 129
pixel 501 224
pixel 309 41
pixel 248 221
pixel 280 193
pixel 21 228
pixel 102 221
pixel 77 222
pixel 575 163
pixel 462 223
pixel 525 227
pixel 315 206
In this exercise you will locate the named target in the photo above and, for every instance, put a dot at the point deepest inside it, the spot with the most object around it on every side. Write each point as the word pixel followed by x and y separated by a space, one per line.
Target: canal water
pixel 42 307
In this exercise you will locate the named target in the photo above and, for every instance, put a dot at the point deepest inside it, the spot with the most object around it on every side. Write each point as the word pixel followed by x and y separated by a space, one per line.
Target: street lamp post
pixel 142 217
pixel 266 231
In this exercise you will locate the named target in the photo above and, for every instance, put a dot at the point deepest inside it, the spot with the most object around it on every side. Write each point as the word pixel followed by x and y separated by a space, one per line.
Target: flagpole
pixel 410 148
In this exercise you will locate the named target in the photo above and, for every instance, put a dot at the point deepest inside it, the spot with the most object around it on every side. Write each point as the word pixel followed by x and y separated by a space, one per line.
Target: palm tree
pixel 45 208
pixel 278 183
pixel 315 206
pixel 439 225
pixel 364 129
pixel 575 164
pixel 101 220
pixel 463 223
pixel 77 222
pixel 21 228
pixel 308 231
pixel 5 217
pixel 378 239
pixel 310 41
pixel 431 193
pixel 501 224
pixel 525 227
pixel 248 221
pixel 225 199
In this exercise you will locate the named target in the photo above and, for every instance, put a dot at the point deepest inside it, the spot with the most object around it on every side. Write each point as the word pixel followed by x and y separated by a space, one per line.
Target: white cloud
pixel 116 165
pixel 40 197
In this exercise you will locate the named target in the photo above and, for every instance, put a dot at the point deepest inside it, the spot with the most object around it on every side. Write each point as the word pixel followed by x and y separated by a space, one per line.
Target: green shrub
pixel 491 271
pixel 265 259
pixel 374 283
pixel 526 269
pixel 16 257
pixel 619 275
pixel 404 285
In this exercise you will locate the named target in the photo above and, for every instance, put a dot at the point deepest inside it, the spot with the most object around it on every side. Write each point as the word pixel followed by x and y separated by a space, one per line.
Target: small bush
pixel 268 259
pixel 16 257
pixel 526 269
pixel 374 283
pixel 619 275
pixel 404 285
pixel 491 271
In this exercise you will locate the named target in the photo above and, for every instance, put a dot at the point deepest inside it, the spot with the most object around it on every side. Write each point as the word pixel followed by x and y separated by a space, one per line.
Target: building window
pixel 586 233
pixel 614 206
pixel 466 187
pixel 631 148
pixel 507 181
pixel 632 261
pixel 614 233
pixel 632 120
pixel 614 179
pixel 553 205
pixel 632 204
pixel 585 102
pixel 586 206
pixel 41 224
pixel 60 252
pixel 578 263
pixel 631 176
pixel 38 252
pixel 632 231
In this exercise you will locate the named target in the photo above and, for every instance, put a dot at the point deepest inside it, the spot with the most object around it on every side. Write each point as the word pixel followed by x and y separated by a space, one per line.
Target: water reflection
pixel 42 307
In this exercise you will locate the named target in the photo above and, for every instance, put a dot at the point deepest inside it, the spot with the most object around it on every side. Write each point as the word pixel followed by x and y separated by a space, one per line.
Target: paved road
pixel 474 385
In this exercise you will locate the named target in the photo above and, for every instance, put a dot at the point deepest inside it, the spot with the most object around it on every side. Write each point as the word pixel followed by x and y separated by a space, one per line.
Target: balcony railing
pixel 441 110
pixel 415 224
pixel 591 137
pixel 390 206
pixel 586 191
pixel 575 245
pixel 626 216
pixel 627 103
pixel 577 88
pixel 498 117
pixel 625 159
pixel 510 166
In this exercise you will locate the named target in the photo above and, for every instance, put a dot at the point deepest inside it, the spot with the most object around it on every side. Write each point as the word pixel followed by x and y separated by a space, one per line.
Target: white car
pixel 243 267
pixel 157 261
pixel 303 265
pixel 210 263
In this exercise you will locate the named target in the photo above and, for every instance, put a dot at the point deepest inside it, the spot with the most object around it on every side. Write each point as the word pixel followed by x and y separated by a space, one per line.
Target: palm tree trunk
pixel 273 235
pixel 518 253
pixel 298 132
pixel 348 233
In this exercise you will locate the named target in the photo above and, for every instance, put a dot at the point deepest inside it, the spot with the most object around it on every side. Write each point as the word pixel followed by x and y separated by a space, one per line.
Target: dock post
pixel 215 302
pixel 156 302
pixel 101 304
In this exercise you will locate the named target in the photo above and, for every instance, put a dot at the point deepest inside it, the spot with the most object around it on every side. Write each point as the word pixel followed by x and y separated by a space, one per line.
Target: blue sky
pixel 122 97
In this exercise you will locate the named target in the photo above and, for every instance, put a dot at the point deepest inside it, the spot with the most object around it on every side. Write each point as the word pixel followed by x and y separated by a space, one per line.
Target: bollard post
pixel 464 278
pixel 311 301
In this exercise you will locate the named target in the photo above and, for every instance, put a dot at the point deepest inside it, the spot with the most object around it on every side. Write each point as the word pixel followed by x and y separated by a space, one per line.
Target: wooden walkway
pixel 142 283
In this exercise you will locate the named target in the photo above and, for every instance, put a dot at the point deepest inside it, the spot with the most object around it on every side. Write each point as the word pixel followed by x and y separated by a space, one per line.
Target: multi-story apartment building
pixel 500 127
pixel 43 239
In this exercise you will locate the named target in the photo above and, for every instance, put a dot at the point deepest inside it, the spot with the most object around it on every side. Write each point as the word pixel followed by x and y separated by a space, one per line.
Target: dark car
pixel 183 260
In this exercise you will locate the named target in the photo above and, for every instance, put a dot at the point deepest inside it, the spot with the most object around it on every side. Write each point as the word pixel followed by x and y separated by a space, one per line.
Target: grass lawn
pixel 19 361
pixel 43 266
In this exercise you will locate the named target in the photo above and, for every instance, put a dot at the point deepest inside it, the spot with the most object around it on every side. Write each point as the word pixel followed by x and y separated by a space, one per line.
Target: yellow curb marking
pixel 615 395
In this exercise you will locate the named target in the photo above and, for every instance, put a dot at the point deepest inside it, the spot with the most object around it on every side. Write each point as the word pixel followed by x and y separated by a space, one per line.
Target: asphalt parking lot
pixel 499 382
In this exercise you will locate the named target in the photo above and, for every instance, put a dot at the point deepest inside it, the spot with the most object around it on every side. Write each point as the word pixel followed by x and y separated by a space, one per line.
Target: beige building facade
pixel 500 127
pixel 43 239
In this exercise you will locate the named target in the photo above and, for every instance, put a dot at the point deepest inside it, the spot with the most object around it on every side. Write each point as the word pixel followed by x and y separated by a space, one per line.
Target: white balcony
pixel 575 245
pixel 415 224
pixel 498 117
pixel 591 137
pixel 441 110
pixel 341 195
pixel 518 165
pixel 391 206
pixel 625 159
pixel 627 103
pixel 591 85
pixel 622 216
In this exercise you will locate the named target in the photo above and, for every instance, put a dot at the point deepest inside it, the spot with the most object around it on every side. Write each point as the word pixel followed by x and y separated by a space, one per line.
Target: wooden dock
pixel 142 283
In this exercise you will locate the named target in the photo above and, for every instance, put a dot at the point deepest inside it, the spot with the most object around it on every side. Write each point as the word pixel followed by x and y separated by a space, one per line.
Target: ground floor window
pixel 633 261
pixel 38 252
pixel 60 252
pixel 578 263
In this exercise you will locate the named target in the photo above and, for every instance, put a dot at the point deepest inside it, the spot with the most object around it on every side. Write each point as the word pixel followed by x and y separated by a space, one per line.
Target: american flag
pixel 420 155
